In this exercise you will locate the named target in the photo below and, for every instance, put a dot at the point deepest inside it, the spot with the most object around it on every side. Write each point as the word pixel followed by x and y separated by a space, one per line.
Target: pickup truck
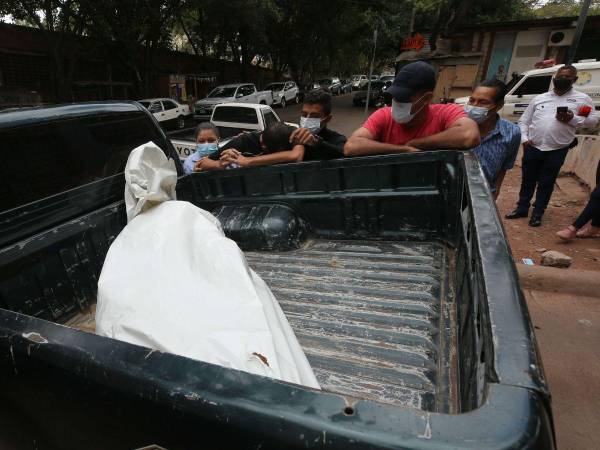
pixel 239 93
pixel 167 112
pixel 231 119
pixel 393 271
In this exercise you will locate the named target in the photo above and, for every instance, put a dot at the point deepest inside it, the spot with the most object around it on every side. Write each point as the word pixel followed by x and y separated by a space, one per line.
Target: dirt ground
pixel 568 200
pixel 567 327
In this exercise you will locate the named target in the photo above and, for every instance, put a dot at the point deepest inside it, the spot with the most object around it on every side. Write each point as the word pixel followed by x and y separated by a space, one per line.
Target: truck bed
pixel 370 316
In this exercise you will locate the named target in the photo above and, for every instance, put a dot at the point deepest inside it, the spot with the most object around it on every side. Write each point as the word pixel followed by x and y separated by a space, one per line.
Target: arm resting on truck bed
pixel 362 143
pixel 462 134
pixel 207 164
pixel 296 154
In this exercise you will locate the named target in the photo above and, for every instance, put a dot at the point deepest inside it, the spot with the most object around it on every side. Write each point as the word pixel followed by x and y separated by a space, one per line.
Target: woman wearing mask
pixel 207 142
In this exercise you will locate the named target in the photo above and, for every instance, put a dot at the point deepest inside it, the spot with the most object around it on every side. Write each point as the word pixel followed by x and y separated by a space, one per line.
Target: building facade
pixel 501 50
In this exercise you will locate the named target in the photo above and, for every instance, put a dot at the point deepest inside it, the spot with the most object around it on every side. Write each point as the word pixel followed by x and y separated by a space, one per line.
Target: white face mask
pixel 311 124
pixel 401 111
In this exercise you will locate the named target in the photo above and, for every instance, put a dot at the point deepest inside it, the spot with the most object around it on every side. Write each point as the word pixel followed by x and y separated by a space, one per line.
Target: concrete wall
pixel 583 159
pixel 529 48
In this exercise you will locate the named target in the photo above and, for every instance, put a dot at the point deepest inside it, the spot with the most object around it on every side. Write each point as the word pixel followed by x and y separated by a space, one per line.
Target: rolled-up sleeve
pixel 376 123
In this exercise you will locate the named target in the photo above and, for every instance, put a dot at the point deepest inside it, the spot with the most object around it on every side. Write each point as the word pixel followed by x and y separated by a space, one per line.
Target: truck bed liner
pixel 369 316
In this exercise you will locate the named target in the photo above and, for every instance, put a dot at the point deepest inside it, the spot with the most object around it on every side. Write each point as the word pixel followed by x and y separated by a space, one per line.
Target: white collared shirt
pixel 539 124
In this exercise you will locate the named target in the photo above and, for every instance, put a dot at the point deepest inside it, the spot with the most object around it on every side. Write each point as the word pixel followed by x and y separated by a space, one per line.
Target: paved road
pixel 346 117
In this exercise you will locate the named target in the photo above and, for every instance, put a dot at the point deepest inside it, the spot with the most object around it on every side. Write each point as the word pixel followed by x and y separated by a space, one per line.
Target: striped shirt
pixel 498 150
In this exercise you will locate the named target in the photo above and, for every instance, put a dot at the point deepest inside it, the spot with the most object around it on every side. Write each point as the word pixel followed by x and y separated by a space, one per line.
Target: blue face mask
pixel 477 113
pixel 207 148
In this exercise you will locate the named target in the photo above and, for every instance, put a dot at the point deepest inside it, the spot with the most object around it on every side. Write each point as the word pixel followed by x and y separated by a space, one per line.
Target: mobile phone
pixel 562 109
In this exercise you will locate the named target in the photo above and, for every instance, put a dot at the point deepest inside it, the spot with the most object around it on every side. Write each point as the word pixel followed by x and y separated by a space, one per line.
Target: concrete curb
pixel 567 281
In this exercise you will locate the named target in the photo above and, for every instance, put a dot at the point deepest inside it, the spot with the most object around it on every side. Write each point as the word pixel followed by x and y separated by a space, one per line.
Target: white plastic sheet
pixel 173 282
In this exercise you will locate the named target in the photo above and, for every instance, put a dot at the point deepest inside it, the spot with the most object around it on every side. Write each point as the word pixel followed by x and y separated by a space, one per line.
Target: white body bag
pixel 173 282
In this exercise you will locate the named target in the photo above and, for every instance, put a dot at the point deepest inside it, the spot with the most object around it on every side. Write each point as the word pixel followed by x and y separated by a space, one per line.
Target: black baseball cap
pixel 412 78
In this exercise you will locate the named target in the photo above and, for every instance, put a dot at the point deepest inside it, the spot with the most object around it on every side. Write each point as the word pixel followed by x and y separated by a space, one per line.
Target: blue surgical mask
pixel 206 148
pixel 477 113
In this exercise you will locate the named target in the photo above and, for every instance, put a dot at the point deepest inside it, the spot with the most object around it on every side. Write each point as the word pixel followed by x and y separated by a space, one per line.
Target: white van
pixel 526 86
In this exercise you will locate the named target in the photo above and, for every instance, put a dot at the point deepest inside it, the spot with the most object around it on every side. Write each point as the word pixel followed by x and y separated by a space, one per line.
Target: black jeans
pixel 592 209
pixel 539 169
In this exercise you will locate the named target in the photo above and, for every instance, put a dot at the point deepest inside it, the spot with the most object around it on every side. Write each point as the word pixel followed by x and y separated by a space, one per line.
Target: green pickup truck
pixel 393 271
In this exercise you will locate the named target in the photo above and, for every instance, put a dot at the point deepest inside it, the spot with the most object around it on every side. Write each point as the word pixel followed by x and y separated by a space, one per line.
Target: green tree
pixel 561 8
pixel 130 32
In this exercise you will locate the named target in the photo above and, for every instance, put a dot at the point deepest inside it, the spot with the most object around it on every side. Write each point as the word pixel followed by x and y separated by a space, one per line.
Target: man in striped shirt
pixel 500 139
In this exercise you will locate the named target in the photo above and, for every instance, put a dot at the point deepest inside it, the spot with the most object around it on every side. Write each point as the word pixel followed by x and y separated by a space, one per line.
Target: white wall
pixel 530 48
pixel 583 159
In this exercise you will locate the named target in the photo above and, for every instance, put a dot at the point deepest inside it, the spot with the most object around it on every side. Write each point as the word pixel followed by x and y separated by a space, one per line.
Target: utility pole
pixel 371 72
pixel 412 19
pixel 585 6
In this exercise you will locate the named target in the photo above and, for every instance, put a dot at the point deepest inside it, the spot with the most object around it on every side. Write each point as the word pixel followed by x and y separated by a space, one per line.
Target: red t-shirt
pixel 439 118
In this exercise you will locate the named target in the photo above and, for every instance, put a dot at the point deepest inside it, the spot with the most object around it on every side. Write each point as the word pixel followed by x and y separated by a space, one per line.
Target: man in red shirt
pixel 412 123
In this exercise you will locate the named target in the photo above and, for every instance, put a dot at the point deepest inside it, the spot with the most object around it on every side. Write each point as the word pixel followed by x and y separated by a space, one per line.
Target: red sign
pixel 416 42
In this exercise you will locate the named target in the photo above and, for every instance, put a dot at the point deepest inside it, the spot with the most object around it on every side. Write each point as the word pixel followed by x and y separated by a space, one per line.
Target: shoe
pixel 535 221
pixel 516 214
pixel 588 232
pixel 568 233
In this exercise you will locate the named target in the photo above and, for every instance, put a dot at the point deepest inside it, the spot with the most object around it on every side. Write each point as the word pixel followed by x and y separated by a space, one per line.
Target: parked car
pixel 394 272
pixel 239 93
pixel 374 77
pixel 385 78
pixel 523 88
pixel 168 112
pixel 346 86
pixel 284 92
pixel 375 95
pixel 231 119
pixel 332 85
pixel 358 82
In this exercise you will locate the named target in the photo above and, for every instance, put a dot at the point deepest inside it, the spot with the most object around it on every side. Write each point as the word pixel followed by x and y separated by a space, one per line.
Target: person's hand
pixel 527 143
pixel 302 136
pixel 243 161
pixel 409 149
pixel 201 164
pixel 209 164
pixel 230 155
pixel 564 117
pixel 234 156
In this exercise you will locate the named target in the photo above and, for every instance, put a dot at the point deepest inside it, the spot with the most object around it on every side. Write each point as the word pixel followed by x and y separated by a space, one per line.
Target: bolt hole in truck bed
pixel 382 265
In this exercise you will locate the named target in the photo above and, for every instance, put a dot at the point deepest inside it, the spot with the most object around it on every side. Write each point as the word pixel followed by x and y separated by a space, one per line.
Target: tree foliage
pixel 308 38
pixel 561 8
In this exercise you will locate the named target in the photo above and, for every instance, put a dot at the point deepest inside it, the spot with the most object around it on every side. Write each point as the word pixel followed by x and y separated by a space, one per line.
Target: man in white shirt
pixel 548 128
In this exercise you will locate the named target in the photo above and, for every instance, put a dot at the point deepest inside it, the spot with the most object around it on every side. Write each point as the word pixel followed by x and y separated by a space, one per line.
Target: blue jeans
pixel 540 170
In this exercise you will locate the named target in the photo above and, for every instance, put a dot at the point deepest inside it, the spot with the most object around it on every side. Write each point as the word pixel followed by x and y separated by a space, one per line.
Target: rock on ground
pixel 553 258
